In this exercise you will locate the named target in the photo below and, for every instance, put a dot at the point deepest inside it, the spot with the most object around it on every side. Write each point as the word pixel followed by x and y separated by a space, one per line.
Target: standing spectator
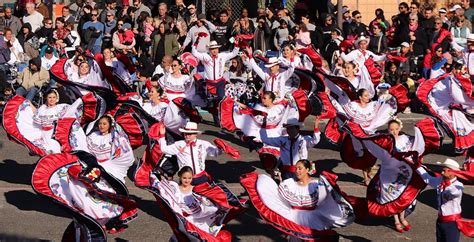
pixel 328 26
pixel 469 9
pixel 357 28
pixel 202 25
pixel 67 16
pixel 243 26
pixel 163 13
pixel 140 7
pixel 347 19
pixel 12 22
pixel 191 15
pixel 314 33
pixel 85 17
pixel 401 22
pixel 93 33
pixel 110 7
pixel 378 43
pixel 262 35
pixel 442 14
pixel 76 9
pixel 223 30
pixel 61 31
pixel 164 43
pixel 42 8
pixel 34 18
pixel 110 25
pixel 302 38
pixel 415 9
pixel 282 34
pixel 429 19
pixel 46 32
pixel 123 39
pixel 417 36
pixel 32 79
pixel 380 18
pixel 459 32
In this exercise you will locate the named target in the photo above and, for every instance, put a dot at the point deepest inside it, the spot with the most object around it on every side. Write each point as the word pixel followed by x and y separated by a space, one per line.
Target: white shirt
pixel 214 66
pixel 359 58
pixel 175 87
pixel 275 83
pixel 290 152
pixel 449 199
pixel 35 20
pixel 16 51
pixel 48 63
pixel 192 156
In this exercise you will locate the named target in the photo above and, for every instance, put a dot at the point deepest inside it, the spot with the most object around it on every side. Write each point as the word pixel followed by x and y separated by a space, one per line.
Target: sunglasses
pixel 191 8
pixel 49 23
pixel 175 65
pixel 94 15
pixel 413 8
pixel 438 23
pixel 358 17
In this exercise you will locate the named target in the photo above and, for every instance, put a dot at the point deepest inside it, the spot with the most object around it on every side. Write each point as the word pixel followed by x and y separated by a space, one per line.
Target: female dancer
pixel 304 207
pixel 110 145
pixel 174 83
pixel 156 107
pixel 118 68
pixel 290 57
pixel 87 75
pixel 41 130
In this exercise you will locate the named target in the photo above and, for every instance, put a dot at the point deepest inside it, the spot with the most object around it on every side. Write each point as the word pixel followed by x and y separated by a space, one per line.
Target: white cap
pixel 190 128
pixel 213 44
pixel 449 163
pixel 272 62
pixel 442 10
pixel 360 39
pixel 455 7
pixel 405 44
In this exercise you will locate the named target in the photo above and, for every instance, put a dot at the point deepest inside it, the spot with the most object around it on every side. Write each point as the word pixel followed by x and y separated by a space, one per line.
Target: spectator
pixel 163 67
pixel 29 41
pixel 223 31
pixel 442 14
pixel 110 25
pixel 75 9
pixel 67 16
pixel 93 33
pixel 328 26
pixel 459 31
pixel 331 51
pixel 282 34
pixel 191 15
pixel 357 28
pixel 392 74
pixel 417 36
pixel 415 9
pixel 163 13
pixel 140 7
pixel 46 32
pixel 16 50
pixel 429 19
pixel 262 35
pixel 33 18
pixel 378 43
pixel 110 8
pixel 12 22
pixel 123 39
pixel 42 8
pixel 469 9
pixel 32 79
pixel 4 58
pixel 164 43
pixel 85 17
pixel 202 25
pixel 346 18
pixel 243 26
pixel 401 22
pixel 441 37
pixel 380 18
pixel 48 60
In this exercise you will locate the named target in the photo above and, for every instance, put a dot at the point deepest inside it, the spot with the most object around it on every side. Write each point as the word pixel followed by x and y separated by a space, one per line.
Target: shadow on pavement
pixel 13 172
pixel 230 171
pixel 354 238
pixel 28 201
pixel 259 227
pixel 18 238
pixel 227 136
pixel 150 207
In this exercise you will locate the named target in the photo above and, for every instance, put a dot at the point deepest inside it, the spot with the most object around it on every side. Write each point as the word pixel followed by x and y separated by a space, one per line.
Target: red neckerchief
pixel 445 183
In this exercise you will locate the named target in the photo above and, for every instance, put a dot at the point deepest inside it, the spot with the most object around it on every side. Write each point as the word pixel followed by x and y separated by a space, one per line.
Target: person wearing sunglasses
pixel 459 31
pixel 440 37
pixel 357 28
pixel 93 32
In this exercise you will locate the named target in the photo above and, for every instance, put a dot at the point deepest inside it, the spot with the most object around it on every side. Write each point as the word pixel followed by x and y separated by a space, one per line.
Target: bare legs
pixel 401 224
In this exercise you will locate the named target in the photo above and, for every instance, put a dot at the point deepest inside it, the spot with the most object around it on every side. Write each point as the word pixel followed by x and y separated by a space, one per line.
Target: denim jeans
pixel 30 93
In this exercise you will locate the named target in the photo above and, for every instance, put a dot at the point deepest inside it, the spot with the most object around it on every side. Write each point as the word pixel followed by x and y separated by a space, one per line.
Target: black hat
pixel 49 50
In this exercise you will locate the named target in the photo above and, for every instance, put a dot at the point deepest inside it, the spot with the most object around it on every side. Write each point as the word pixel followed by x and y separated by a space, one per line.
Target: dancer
pixel 449 194
pixel 156 107
pixel 293 147
pixel 191 151
pixel 303 207
pixel 110 145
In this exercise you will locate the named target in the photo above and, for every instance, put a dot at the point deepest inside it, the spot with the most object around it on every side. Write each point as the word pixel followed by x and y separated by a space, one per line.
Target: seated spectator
pixel 45 32
pixel 32 79
pixel 459 31
pixel 164 43
pixel 48 60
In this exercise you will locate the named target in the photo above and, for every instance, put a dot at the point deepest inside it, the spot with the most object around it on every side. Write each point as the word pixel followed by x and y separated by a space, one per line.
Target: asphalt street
pixel 26 216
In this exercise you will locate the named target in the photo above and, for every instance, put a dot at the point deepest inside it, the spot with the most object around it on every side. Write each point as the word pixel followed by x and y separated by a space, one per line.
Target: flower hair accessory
pixel 399 122
pixel 112 119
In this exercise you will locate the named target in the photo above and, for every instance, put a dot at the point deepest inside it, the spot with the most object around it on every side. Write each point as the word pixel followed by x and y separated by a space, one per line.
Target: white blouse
pixel 157 111
pixel 46 116
pixel 300 196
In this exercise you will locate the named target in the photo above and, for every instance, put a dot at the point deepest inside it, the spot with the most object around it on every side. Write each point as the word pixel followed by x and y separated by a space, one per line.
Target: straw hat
pixel 213 44
pixel 190 128
pixel 449 163
pixel 272 62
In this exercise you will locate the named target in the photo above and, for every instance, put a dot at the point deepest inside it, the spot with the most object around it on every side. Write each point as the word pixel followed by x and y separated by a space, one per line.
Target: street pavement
pixel 25 216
